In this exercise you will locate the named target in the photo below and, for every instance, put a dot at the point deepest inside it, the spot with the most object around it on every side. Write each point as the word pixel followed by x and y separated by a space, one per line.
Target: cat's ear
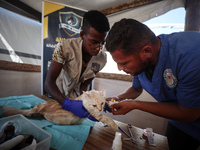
pixel 85 94
pixel 103 92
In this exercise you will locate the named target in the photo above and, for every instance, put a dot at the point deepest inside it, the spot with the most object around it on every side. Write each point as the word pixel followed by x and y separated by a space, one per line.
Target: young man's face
pixel 93 41
pixel 131 64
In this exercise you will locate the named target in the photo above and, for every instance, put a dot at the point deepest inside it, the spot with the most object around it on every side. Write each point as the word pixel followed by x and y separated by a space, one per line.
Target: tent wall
pixel 17 83
pixel 20 38
pixel 20 41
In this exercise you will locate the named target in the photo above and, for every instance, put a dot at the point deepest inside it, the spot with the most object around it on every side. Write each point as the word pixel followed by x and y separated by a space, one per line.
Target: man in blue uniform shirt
pixel 167 67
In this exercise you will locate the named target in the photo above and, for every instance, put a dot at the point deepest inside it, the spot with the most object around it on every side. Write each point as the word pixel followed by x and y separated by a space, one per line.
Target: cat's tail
pixel 9 111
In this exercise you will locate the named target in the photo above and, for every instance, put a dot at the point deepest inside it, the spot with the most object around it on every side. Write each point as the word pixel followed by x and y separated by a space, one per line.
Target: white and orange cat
pixel 93 101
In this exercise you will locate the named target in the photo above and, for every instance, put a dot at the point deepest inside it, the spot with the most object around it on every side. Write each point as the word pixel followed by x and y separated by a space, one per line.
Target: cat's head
pixel 95 99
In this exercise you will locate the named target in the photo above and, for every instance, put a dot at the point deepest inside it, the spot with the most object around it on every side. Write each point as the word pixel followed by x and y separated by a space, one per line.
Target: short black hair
pixel 130 36
pixel 96 20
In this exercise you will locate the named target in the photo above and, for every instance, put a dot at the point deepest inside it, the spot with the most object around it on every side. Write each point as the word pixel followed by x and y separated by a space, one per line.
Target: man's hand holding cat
pixel 77 108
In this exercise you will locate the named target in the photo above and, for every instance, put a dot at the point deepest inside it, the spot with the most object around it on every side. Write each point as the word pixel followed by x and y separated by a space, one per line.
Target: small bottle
pixel 117 142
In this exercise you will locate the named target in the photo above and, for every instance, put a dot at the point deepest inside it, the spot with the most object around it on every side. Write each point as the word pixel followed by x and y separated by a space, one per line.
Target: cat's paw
pixel 114 126
pixel 111 123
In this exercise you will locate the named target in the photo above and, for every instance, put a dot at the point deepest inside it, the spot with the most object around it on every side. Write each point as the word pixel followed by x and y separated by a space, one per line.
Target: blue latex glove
pixel 106 107
pixel 77 108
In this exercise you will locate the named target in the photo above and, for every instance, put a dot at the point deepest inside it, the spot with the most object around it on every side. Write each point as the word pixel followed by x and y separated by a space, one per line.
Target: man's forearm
pixel 168 110
pixel 53 90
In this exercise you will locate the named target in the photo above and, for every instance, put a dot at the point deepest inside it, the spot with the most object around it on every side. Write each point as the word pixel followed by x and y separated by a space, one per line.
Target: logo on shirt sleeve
pixel 170 79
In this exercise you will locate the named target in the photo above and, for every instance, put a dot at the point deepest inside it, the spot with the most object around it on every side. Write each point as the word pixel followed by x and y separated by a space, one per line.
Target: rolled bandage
pixel 112 102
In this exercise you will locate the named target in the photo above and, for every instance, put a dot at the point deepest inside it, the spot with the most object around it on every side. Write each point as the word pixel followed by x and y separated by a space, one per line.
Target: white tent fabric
pixel 146 12
pixel 20 38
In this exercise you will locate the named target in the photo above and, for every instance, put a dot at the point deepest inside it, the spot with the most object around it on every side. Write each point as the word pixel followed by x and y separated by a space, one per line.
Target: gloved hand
pixel 106 107
pixel 77 108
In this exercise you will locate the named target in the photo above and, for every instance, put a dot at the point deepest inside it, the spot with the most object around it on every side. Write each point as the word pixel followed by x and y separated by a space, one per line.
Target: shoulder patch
pixel 95 67
pixel 169 78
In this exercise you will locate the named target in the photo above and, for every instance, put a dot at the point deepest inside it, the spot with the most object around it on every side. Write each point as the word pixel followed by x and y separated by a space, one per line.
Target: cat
pixel 93 101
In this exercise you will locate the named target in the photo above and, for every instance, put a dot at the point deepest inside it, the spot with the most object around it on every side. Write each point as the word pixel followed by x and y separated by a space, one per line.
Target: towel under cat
pixel 93 101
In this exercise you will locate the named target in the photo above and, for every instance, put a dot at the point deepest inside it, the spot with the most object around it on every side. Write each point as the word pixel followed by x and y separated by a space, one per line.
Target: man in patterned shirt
pixel 76 61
